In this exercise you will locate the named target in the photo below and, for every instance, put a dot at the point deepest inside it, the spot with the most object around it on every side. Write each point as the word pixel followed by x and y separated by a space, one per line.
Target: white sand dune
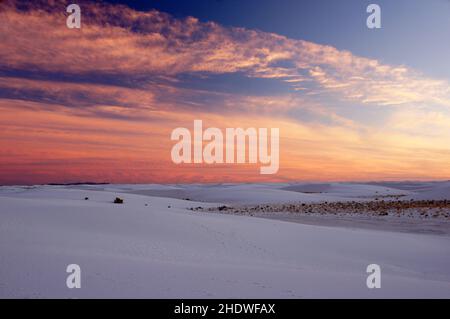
pixel 153 251
pixel 263 193
pixel 440 192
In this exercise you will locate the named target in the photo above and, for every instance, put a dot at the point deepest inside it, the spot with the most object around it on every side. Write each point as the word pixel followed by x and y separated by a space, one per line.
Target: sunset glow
pixel 99 103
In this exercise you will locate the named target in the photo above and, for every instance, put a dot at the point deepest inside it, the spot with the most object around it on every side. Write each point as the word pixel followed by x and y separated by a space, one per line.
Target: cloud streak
pixel 99 103
pixel 118 40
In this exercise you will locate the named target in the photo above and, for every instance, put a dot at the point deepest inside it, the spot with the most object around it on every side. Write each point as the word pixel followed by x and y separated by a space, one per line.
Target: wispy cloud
pixel 119 40
pixel 111 92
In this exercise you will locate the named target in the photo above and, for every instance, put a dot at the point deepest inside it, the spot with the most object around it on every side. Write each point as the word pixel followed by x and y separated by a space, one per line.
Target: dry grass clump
pixel 411 208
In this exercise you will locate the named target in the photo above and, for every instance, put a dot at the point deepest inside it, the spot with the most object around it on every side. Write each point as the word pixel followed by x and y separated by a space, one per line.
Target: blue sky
pixel 415 33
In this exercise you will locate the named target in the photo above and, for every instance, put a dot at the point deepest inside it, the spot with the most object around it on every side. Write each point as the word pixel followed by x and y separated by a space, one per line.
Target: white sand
pixel 153 251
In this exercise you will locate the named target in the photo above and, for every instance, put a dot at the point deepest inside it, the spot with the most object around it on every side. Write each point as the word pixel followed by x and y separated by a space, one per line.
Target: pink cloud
pixel 108 43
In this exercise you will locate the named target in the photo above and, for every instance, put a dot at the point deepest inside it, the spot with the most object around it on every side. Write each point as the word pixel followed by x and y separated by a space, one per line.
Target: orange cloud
pixel 41 145
pixel 84 128
pixel 108 43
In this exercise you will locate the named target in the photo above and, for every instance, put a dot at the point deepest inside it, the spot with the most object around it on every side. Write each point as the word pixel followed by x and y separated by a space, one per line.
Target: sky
pixel 410 27
pixel 99 103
